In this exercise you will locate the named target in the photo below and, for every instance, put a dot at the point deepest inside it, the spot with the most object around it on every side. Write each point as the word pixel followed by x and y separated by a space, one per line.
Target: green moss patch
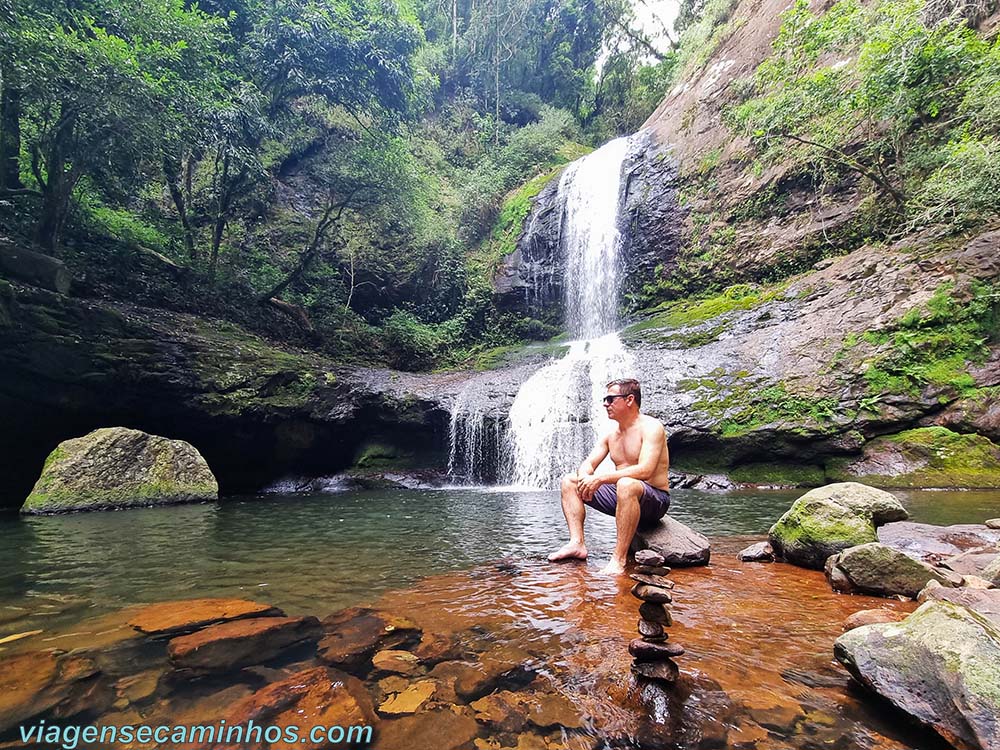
pixel 785 475
pixel 927 457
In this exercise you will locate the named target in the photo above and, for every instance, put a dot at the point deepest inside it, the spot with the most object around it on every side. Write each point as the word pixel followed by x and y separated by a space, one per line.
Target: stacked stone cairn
pixel 652 655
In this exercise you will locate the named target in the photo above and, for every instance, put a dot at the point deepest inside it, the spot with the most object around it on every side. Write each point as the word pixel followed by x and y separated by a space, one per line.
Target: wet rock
pixel 924 457
pixel 653 594
pixel 829 519
pixel 410 699
pixel 871 617
pixel 437 647
pixel 472 680
pixel 643 650
pixel 139 688
pixel 240 643
pixel 508 711
pixel 660 671
pixel 651 630
pixel 938 666
pixel 396 662
pixel 320 696
pixel 652 570
pixel 983 602
pixel 188 615
pixel 658 613
pixel 116 467
pixel 879 570
pixel 41 683
pixel 441 729
pixel 993 523
pixel 649 557
pixel 936 543
pixel 355 634
pixel 679 545
pixel 652 580
pixel 759 552
pixel 972 562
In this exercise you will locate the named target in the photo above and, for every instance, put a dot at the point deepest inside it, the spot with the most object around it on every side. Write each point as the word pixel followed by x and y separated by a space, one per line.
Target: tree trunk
pixel 57 188
pixel 10 134
pixel 221 217
pixel 172 171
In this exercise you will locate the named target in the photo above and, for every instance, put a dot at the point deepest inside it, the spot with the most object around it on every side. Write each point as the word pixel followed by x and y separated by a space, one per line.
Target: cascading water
pixel 556 414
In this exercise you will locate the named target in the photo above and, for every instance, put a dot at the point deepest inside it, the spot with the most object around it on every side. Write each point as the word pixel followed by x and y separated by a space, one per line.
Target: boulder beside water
pixel 680 546
pixel 879 570
pixel 939 666
pixel 829 519
pixel 115 467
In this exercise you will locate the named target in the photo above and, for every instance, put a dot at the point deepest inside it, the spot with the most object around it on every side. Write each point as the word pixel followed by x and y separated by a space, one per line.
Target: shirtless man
pixel 636 492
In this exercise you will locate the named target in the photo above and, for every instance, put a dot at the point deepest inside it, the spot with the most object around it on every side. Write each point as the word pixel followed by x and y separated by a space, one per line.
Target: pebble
pixel 993 523
pixel 651 630
pixel 653 594
pixel 652 570
pixel 649 557
pixel 662 671
pixel 657 613
pixel 651 651
pixel 658 581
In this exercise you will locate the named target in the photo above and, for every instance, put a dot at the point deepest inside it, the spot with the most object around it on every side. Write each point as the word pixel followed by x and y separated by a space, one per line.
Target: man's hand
pixel 587 485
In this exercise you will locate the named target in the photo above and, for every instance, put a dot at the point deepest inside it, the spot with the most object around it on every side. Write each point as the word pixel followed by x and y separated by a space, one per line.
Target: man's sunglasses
pixel 608 400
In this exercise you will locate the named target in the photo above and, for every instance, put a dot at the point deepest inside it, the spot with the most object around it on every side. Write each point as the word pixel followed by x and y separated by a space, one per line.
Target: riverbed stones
pixel 939 666
pixel 353 636
pixel 187 615
pixel 43 682
pixel 680 546
pixel 829 519
pixel 440 729
pixel 395 661
pixel 934 544
pixel 240 643
pixel 879 570
pixel 116 467
pixel 318 696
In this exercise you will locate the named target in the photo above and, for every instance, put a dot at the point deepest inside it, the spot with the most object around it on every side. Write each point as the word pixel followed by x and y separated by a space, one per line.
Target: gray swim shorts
pixel 653 503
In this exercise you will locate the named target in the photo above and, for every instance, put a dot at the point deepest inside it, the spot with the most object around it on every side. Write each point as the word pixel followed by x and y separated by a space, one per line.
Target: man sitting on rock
pixel 635 493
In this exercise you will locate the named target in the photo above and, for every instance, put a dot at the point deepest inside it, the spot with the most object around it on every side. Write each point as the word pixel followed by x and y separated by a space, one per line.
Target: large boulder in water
pixel 939 666
pixel 829 519
pixel 680 545
pixel 879 570
pixel 116 467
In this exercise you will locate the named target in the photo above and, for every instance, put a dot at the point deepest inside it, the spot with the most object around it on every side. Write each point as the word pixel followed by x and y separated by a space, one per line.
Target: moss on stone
pixel 786 475
pixel 693 311
pixel 939 457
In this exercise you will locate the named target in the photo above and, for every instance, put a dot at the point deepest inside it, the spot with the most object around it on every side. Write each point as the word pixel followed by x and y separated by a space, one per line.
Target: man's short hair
pixel 628 387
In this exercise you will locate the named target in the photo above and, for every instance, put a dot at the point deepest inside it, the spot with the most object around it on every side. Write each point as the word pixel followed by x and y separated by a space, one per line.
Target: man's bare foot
pixel 613 568
pixel 570 551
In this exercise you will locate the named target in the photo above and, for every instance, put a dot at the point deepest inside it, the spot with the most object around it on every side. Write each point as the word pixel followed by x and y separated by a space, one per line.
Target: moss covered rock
pixel 883 571
pixel 116 467
pixel 939 666
pixel 924 457
pixel 829 519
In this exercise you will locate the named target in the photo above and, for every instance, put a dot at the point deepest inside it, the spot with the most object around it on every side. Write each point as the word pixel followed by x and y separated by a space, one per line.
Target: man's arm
pixel 591 462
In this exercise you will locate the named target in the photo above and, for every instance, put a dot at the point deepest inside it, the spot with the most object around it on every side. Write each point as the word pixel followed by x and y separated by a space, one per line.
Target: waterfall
pixel 556 415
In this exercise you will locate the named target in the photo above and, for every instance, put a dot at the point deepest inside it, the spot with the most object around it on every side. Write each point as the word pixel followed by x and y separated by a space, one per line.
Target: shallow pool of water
pixel 758 673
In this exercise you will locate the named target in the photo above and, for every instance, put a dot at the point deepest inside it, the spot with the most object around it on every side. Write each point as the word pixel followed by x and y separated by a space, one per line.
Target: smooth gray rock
pixel 939 666
pixel 882 571
pixel 829 519
pixel 679 545
pixel 936 543
pixel 759 552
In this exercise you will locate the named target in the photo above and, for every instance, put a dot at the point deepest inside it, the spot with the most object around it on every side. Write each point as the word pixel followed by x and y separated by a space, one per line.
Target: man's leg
pixel 627 521
pixel 575 512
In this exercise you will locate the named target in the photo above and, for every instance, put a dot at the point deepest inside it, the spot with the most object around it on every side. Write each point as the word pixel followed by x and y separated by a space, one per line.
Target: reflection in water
pixel 758 669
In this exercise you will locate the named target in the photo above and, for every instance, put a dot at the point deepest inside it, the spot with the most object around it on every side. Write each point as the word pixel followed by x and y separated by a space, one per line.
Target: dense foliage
pixel 334 164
